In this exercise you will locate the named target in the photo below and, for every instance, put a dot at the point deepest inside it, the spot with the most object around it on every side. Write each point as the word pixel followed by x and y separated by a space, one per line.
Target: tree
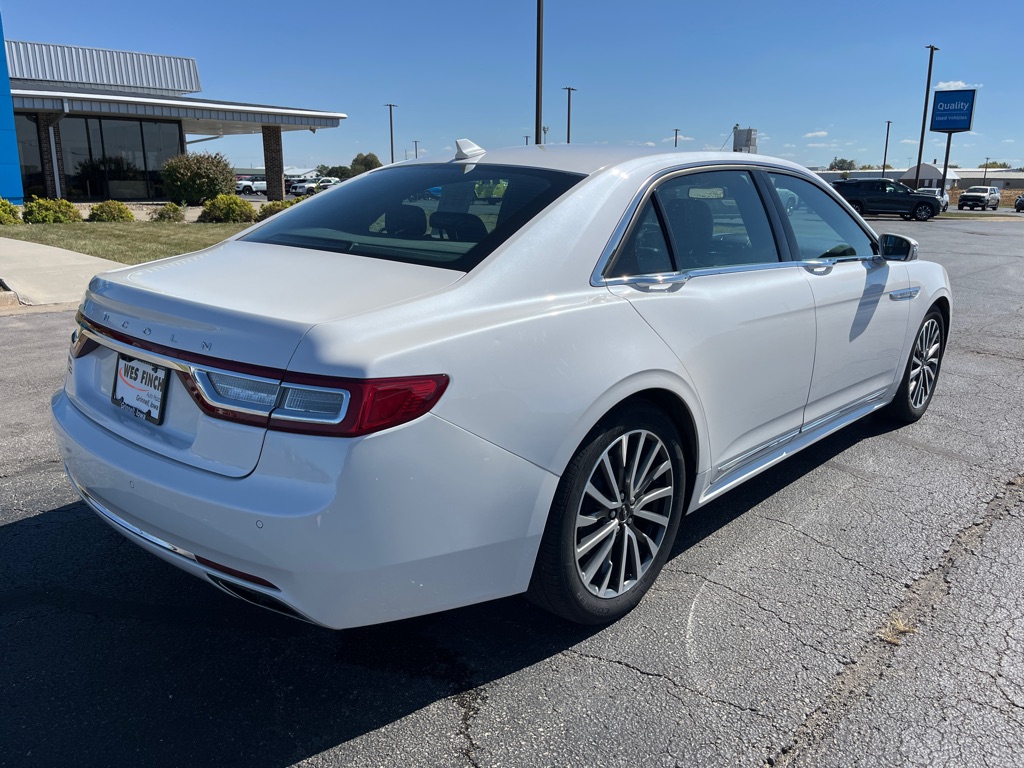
pixel 994 164
pixel 197 176
pixel 869 167
pixel 337 171
pixel 842 164
pixel 362 163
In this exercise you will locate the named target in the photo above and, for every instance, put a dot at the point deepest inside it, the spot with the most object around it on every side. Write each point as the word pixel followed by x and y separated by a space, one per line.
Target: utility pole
pixel 885 154
pixel 416 148
pixel 984 176
pixel 540 74
pixel 568 117
pixel 391 124
pixel 676 144
pixel 526 139
pixel 924 118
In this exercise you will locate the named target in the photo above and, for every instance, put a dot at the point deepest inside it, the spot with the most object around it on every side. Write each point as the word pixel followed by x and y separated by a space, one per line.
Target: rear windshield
pixel 445 215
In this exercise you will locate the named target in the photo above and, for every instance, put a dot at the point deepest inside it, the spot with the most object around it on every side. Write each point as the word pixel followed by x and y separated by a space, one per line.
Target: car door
pixel 738 318
pixel 861 305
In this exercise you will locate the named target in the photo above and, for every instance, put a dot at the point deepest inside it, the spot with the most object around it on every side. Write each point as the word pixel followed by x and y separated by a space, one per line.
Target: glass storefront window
pixel 120 159
pixel 27 130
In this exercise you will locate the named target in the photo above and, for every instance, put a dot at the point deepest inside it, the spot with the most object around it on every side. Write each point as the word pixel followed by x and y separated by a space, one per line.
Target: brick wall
pixel 273 162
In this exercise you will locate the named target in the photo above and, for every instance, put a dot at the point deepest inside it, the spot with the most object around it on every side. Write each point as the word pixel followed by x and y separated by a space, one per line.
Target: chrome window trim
pixel 652 281
pixel 597 278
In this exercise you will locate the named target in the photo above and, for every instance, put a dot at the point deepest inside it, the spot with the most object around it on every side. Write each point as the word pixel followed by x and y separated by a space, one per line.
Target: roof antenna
pixel 465 149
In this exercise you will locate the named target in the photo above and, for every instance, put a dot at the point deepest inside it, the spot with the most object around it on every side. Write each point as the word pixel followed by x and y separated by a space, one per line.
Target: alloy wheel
pixel 924 366
pixel 624 513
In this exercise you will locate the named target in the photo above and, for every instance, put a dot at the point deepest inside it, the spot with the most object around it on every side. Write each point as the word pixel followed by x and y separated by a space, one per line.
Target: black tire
pixel 246 190
pixel 922 212
pixel 857 206
pixel 959 207
pixel 922 371
pixel 607 580
pixel 905 216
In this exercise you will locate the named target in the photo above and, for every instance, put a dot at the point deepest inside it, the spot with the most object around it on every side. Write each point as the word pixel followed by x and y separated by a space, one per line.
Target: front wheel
pixel 922 372
pixel 922 212
pixel 857 207
pixel 614 518
pixel 247 190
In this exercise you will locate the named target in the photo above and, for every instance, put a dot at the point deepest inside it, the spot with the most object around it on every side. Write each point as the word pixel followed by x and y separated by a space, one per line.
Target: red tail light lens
pixel 373 404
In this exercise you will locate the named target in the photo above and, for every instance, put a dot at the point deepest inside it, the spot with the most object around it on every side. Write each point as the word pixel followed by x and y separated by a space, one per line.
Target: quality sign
pixel 953 111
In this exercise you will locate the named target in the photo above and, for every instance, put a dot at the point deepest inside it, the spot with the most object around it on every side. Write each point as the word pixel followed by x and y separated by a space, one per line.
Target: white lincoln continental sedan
pixel 404 395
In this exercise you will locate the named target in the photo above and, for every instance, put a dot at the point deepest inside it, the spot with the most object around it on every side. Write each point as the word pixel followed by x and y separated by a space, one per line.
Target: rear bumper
pixel 343 533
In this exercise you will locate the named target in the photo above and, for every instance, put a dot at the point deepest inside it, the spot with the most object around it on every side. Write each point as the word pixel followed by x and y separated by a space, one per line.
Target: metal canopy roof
pixel 198 116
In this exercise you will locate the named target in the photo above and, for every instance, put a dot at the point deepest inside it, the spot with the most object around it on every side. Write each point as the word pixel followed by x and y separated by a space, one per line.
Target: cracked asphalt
pixel 858 605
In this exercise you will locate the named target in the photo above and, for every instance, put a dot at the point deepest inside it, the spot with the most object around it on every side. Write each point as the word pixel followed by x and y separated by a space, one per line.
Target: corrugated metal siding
pixel 101 67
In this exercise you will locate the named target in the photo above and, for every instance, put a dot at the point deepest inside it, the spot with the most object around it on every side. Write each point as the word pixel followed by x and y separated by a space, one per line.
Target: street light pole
pixel 676 143
pixel 391 125
pixel 416 148
pixel 924 118
pixel 526 139
pixel 568 116
pixel 540 73
pixel 885 154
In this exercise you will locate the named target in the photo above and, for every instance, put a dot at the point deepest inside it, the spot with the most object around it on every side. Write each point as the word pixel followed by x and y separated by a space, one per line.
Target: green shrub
pixel 42 210
pixel 170 212
pixel 8 213
pixel 195 177
pixel 269 209
pixel 110 210
pixel 227 209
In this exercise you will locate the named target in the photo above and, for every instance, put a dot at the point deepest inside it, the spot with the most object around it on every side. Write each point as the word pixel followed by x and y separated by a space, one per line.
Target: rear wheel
pixel 922 372
pixel 857 206
pixel 922 212
pixel 246 190
pixel 614 518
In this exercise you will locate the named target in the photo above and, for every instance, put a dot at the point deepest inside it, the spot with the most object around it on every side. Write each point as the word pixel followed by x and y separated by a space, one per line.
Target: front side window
pixel 821 227
pixel 442 215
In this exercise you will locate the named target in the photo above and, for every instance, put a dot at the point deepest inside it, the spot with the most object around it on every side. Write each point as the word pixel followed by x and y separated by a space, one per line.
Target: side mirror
pixel 897 247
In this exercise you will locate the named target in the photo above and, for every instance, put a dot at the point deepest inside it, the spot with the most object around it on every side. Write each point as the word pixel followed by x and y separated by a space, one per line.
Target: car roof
pixel 588 159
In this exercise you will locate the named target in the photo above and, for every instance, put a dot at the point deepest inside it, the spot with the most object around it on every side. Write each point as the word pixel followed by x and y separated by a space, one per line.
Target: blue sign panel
pixel 10 165
pixel 953 111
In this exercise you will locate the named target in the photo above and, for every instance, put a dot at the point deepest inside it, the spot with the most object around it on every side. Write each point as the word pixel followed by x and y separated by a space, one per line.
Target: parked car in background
pixel 979 197
pixel 882 196
pixel 1018 204
pixel 365 408
pixel 940 194
pixel 309 186
pixel 251 185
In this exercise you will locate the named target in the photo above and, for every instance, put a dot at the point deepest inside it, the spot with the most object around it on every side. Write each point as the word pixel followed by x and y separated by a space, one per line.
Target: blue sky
pixel 816 79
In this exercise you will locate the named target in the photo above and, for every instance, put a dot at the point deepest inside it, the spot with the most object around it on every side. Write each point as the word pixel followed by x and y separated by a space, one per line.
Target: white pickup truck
pixel 251 185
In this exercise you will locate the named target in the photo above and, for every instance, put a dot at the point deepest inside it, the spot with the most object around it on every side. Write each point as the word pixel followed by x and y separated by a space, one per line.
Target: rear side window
pixel 711 219
pixel 444 215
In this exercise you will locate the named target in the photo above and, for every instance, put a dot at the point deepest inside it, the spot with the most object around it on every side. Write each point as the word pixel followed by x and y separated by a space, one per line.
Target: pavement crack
pixel 921 597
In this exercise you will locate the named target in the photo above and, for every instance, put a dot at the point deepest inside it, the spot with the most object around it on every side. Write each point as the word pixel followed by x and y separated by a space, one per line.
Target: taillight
pixel 313 404
pixel 281 400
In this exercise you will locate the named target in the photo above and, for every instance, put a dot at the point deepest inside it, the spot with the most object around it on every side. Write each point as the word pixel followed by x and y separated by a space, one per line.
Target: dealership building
pixel 96 124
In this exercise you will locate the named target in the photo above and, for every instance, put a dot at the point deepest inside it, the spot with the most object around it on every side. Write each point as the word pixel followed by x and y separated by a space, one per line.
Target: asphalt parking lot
pixel 858 605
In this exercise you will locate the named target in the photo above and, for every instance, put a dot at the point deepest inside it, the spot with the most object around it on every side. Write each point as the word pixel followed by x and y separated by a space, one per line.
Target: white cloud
pixel 815 134
pixel 650 144
pixel 764 138
pixel 1009 141
pixel 824 145
pixel 789 146
pixel 908 141
pixel 710 148
pixel 673 138
pixel 954 85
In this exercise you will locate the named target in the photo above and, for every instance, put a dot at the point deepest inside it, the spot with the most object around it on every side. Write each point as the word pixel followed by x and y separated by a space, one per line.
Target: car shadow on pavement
pixel 108 656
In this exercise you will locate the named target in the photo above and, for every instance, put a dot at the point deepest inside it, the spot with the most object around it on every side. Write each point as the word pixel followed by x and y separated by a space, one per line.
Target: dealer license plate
pixel 139 388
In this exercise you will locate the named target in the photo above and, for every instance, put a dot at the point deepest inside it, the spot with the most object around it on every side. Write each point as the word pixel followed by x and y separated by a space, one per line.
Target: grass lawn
pixel 125 242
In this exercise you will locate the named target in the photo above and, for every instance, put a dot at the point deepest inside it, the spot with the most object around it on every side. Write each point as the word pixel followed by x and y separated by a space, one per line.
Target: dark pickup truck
pixel 880 196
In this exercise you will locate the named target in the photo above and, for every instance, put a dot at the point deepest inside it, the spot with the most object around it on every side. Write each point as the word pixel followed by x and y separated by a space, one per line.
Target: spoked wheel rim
pixel 924 368
pixel 624 513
